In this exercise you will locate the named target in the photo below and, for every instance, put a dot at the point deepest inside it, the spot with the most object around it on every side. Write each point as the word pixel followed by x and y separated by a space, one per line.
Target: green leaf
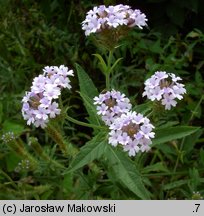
pixel 172 133
pixel 194 34
pixel 202 157
pixel 92 150
pixel 103 65
pixel 143 108
pixel 154 168
pixel 88 91
pixel 191 141
pixel 12 160
pixel 156 47
pixel 67 182
pixel 125 170
pixel 13 126
pixel 114 65
pixel 87 87
pixel 91 109
pixel 175 184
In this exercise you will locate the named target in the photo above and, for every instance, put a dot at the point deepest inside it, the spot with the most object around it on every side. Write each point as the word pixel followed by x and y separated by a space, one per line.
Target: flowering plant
pixel 123 132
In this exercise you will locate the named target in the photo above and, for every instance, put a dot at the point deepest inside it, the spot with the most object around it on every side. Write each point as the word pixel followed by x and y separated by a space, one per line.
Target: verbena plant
pixel 127 150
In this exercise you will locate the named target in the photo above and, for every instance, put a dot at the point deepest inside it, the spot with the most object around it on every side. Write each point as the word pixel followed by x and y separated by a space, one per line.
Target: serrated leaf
pixel 92 150
pixel 91 109
pixel 88 91
pixel 86 85
pixel 172 133
pixel 126 172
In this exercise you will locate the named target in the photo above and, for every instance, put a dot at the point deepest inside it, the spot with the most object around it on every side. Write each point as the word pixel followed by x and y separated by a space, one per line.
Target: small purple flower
pixel 113 138
pixel 53 110
pixel 41 113
pixel 45 102
pixel 102 109
pixel 164 87
pixel 51 91
pixel 41 123
pixel 168 101
pixel 132 148
pixel 124 138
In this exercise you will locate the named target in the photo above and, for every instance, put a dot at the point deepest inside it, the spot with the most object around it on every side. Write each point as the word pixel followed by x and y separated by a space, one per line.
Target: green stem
pixel 107 81
pixel 176 164
pixel 84 123
pixel 58 138
pixel 109 62
pixel 108 71
pixel 40 152
pixel 149 115
pixel 9 178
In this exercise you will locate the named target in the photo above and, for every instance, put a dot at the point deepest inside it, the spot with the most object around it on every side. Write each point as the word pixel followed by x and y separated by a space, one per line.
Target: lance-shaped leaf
pixel 92 150
pixel 102 63
pixel 172 133
pixel 125 170
pixel 88 91
pixel 86 85
pixel 91 109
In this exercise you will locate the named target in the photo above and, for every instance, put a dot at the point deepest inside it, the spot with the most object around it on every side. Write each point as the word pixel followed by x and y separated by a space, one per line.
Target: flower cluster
pixel 8 137
pixel 39 104
pixel 23 165
pixel 103 17
pixel 111 104
pixel 197 196
pixel 165 87
pixel 133 131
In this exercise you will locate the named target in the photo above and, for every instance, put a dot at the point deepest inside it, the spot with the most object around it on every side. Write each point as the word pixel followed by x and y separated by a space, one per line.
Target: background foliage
pixel 35 34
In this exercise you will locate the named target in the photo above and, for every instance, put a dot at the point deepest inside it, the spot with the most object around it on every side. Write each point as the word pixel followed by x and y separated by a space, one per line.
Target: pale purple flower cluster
pixel 133 131
pixel 164 87
pixel 130 129
pixel 111 104
pixel 103 17
pixel 39 104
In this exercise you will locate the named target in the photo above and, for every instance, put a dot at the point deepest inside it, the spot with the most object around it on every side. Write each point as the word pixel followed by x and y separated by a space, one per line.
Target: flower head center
pixel 111 102
pixel 164 83
pixel 34 101
pixel 103 14
pixel 131 129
